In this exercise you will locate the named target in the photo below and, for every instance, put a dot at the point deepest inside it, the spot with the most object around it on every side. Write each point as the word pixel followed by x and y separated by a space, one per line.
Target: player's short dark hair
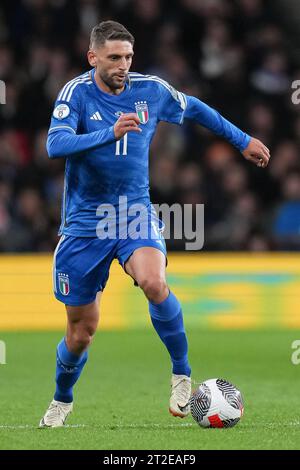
pixel 109 31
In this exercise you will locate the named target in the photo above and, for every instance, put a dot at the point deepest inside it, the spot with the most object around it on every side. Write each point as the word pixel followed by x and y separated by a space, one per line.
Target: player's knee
pixel 154 288
pixel 81 339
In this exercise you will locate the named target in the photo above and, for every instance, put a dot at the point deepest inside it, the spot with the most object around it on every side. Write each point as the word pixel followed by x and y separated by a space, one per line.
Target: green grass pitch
pixel 121 400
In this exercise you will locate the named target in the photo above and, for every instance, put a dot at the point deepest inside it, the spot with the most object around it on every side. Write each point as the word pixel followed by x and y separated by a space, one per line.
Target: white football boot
pixel 181 389
pixel 56 414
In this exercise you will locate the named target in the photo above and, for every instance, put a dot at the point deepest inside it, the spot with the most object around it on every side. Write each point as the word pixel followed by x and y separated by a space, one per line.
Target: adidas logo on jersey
pixel 96 116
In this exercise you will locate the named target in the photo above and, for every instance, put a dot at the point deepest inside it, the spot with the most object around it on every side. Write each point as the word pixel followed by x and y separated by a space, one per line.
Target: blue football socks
pixel 167 320
pixel 68 369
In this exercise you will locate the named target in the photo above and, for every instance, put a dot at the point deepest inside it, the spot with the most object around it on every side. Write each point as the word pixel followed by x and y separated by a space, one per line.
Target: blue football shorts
pixel 81 264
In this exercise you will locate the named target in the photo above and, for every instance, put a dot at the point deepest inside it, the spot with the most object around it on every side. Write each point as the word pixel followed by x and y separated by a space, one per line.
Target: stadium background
pixel 239 56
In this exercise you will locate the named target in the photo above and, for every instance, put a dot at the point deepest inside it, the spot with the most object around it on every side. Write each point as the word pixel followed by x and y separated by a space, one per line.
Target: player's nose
pixel 123 64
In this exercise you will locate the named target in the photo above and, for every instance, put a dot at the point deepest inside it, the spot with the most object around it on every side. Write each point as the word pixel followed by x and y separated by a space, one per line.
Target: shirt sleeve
pixel 63 140
pixel 66 114
pixel 171 103
pixel 62 143
pixel 212 120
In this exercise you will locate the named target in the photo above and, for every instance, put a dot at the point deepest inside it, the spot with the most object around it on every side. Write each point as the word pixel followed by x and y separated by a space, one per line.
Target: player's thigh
pixel 146 263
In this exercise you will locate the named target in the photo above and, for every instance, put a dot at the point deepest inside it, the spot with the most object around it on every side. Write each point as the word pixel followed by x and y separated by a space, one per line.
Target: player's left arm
pixel 252 149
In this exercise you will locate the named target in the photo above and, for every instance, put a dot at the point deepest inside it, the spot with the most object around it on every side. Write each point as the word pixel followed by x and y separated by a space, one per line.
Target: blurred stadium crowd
pixel 236 55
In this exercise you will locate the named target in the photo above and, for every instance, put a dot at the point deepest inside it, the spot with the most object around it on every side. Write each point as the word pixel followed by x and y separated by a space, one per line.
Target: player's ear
pixel 92 58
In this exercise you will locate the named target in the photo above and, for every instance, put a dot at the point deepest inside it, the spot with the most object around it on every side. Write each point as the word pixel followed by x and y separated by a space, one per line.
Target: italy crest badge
pixel 142 111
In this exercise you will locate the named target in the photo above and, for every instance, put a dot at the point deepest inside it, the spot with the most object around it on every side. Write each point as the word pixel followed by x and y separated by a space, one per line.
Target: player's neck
pixel 104 87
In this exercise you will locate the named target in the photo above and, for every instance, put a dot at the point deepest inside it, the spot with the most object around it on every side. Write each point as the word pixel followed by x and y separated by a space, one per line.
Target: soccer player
pixel 102 124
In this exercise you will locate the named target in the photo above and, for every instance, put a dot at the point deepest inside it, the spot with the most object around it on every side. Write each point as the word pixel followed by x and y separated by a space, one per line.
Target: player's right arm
pixel 63 140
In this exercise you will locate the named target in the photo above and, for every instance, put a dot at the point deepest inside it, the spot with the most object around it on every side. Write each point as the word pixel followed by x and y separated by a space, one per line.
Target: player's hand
pixel 126 123
pixel 257 153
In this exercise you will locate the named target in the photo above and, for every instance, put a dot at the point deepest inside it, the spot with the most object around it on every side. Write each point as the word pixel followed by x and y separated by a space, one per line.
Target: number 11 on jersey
pixel 118 145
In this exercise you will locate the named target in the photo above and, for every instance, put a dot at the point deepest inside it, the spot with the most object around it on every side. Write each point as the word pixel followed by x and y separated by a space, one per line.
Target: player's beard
pixel 112 81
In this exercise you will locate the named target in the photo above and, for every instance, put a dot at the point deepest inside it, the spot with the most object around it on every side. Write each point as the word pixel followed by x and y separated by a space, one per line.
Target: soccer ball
pixel 217 403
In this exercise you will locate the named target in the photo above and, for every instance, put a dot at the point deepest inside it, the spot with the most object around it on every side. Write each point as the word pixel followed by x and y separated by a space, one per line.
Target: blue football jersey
pixel 117 168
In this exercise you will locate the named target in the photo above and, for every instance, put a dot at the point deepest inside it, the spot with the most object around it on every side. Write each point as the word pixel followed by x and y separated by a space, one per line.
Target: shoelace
pixel 53 411
pixel 184 391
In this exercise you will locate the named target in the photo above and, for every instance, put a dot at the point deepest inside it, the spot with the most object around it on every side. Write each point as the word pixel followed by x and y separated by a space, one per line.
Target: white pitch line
pixel 105 426
pixel 29 426
pixel 110 427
